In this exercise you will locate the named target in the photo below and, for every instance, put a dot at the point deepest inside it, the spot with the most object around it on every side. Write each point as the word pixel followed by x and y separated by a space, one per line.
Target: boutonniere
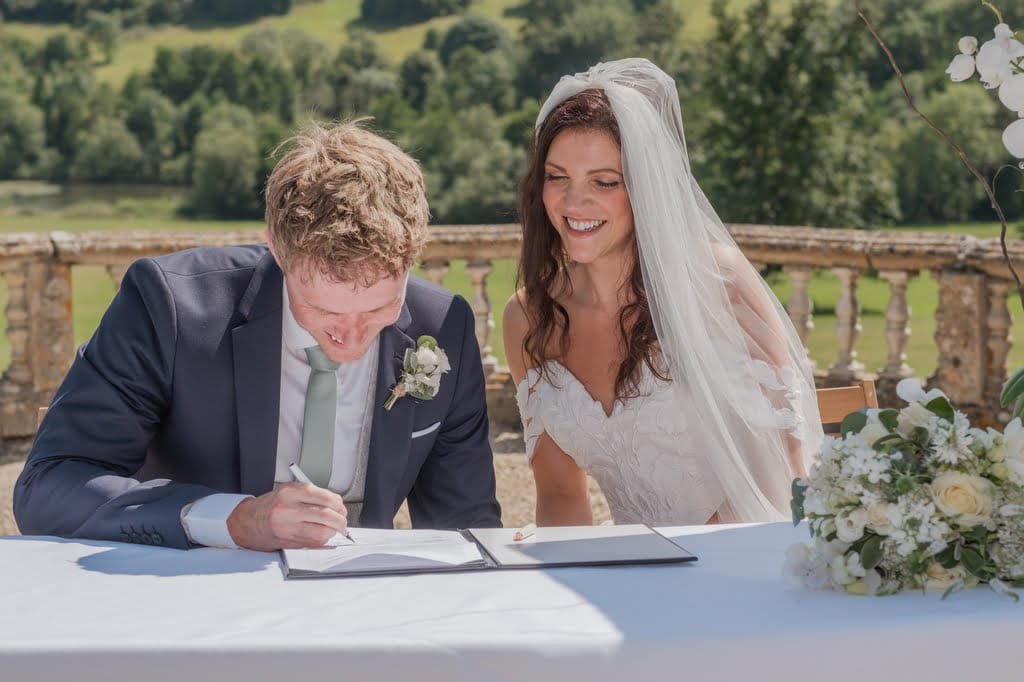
pixel 421 371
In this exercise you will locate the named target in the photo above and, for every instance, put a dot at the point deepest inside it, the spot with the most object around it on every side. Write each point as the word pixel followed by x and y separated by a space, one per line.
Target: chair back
pixel 835 403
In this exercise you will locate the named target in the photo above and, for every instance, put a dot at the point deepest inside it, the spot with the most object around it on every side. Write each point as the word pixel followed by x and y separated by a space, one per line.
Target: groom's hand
pixel 292 515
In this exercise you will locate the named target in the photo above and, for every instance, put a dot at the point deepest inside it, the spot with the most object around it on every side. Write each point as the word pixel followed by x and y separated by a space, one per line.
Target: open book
pixel 376 552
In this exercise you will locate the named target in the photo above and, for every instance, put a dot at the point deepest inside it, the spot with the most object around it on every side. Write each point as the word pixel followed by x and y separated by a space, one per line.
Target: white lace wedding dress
pixel 644 455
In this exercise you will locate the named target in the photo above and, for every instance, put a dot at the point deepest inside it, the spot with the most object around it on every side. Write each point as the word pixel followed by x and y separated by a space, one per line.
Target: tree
pixel 787 140
pixel 153 119
pixel 562 36
pixel 107 151
pixel 22 135
pixel 103 31
pixel 482 33
pixel 401 12
pixel 474 78
pixel 226 164
pixel 419 71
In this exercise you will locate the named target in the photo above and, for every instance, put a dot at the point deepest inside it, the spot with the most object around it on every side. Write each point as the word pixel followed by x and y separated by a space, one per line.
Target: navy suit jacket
pixel 176 397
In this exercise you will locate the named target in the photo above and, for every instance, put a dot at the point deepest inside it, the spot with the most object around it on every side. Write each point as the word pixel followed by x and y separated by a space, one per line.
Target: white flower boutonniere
pixel 421 371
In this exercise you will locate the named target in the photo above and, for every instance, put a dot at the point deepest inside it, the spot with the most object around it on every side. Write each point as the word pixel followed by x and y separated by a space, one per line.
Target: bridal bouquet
pixel 914 498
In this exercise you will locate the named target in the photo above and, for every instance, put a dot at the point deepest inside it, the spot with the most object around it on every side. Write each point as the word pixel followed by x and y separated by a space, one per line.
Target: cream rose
pixel 963 495
pixel 939 578
pixel 878 519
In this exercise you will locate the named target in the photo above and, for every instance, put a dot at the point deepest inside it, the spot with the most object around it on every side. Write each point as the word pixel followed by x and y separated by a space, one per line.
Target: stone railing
pixel 972 320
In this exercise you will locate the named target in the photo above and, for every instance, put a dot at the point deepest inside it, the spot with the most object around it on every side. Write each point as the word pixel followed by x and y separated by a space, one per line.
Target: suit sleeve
pixel 77 480
pixel 455 487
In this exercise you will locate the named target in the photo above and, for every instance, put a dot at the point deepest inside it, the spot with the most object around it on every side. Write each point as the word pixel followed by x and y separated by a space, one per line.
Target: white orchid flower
pixel 1011 92
pixel 968 45
pixel 961 68
pixel 1013 138
pixel 911 391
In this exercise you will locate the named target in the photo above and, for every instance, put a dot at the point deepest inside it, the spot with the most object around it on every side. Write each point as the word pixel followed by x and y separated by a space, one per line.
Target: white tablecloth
pixel 83 611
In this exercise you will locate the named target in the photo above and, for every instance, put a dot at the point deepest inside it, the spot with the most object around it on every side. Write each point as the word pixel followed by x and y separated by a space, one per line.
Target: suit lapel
pixel 389 435
pixel 257 359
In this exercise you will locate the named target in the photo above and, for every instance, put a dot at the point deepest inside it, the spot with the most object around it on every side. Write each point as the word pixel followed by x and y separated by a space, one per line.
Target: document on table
pixel 374 551
pixel 383 551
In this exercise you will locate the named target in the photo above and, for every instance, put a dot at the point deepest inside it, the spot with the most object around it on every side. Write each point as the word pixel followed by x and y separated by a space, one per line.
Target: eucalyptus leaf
pixel 941 407
pixel 853 423
pixel 796 503
pixel 871 552
pixel 889 419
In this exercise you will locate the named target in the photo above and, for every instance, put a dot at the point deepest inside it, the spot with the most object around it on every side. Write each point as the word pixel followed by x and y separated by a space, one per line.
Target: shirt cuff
pixel 206 520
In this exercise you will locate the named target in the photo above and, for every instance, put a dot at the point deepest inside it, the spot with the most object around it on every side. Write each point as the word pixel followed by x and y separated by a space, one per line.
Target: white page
pixel 383 550
pixel 578 545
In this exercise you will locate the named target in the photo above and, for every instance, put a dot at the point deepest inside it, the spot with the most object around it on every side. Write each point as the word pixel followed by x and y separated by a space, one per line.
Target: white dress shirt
pixel 205 520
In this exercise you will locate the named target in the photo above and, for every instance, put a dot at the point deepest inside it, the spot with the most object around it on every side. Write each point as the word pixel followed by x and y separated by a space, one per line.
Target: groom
pixel 216 369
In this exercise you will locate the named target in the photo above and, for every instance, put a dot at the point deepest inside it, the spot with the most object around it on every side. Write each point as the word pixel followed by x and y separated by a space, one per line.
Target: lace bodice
pixel 643 455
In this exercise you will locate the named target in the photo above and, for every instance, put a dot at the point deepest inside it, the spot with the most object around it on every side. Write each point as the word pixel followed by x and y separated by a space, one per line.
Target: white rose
pixel 964 496
pixel 878 520
pixel 968 45
pixel 872 431
pixel 426 358
pixel 961 68
pixel 939 578
pixel 1013 450
pixel 912 416
pixel 838 570
pixel 850 527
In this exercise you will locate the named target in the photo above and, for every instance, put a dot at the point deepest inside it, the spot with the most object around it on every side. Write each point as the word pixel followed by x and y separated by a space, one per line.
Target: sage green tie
pixel 317 453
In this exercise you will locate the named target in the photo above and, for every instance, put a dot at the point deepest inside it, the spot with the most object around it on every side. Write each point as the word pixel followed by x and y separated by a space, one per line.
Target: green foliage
pixel 787 141
pixel 227 164
pixel 22 136
pixel 418 72
pixel 401 12
pixel 106 152
pixel 103 31
pixel 482 33
pixel 474 78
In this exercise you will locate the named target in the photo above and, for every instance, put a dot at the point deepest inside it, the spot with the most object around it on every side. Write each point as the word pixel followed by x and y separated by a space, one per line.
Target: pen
pixel 301 477
pixel 525 532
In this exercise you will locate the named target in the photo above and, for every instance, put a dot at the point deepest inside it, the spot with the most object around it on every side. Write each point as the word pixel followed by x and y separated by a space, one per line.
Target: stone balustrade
pixel 972 320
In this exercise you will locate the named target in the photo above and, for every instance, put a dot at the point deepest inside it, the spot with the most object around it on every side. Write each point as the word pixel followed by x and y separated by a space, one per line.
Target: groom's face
pixel 344 317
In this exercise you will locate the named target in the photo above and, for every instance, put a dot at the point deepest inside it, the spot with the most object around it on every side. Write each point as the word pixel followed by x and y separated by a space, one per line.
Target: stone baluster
pixel 478 270
pixel 997 337
pixel 897 327
pixel 16 384
pixel 435 271
pixel 116 272
pixel 42 345
pixel 800 305
pixel 846 368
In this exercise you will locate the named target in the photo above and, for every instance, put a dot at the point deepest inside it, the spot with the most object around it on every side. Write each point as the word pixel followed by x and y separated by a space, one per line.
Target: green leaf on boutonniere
pixel 889 419
pixel 976 564
pixel 941 407
pixel 853 423
pixel 947 558
pixel 871 552
pixel 796 502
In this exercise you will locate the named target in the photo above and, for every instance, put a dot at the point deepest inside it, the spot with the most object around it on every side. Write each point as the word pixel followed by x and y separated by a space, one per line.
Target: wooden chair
pixel 835 403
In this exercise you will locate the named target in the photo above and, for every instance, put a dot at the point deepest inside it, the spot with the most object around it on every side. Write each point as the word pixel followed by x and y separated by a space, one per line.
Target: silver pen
pixel 301 477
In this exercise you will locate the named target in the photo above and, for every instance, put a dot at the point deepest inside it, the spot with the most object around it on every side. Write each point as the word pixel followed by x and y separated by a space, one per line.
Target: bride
pixel 646 349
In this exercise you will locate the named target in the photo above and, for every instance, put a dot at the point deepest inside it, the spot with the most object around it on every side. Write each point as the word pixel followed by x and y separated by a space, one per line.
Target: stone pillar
pixel 42 342
pixel 960 327
pixel 116 272
pixel 897 333
pixel 998 340
pixel 800 305
pixel 435 271
pixel 478 270
pixel 846 369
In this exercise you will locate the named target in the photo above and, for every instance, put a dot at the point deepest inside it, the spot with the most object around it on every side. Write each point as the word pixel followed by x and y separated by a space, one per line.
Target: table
pixel 83 611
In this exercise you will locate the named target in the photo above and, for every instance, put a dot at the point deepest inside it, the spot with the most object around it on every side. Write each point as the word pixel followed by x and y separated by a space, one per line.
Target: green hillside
pixel 327 20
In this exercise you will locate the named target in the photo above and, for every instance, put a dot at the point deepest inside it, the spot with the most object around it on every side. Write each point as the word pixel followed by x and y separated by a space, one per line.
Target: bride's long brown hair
pixel 543 258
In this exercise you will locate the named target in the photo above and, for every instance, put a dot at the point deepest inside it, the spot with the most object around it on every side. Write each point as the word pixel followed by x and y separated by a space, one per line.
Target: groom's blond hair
pixel 347 204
